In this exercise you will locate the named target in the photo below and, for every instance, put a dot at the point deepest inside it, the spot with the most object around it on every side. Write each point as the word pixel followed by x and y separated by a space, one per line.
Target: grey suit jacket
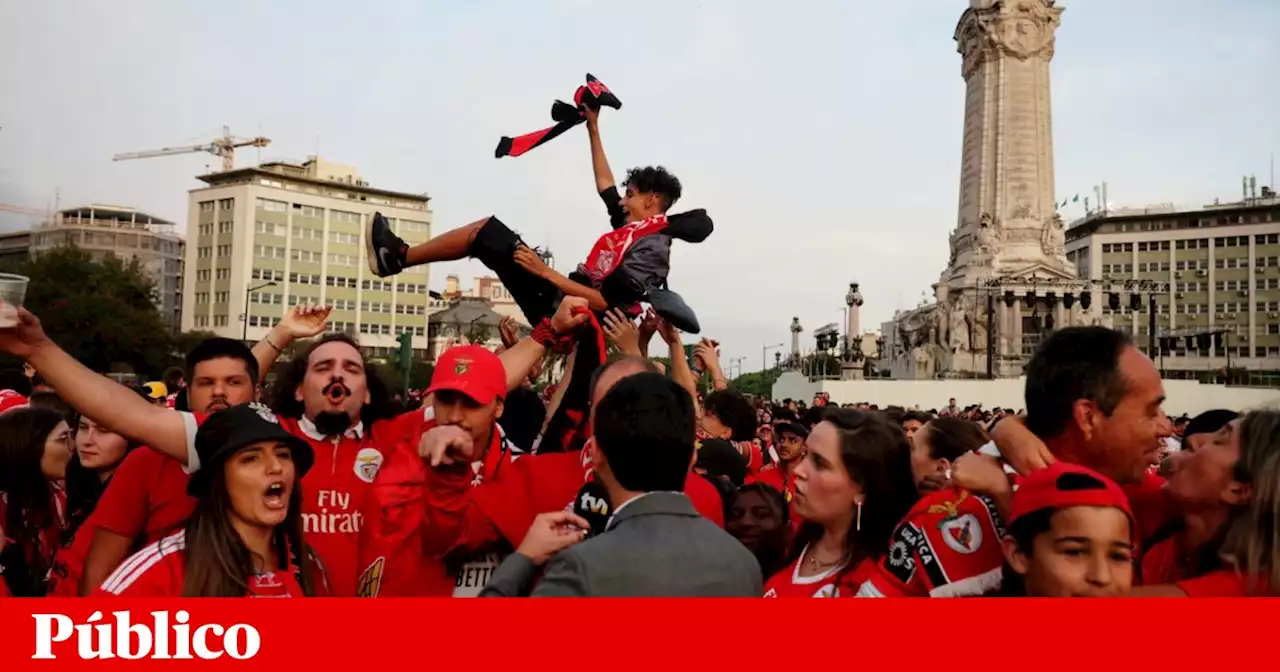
pixel 656 546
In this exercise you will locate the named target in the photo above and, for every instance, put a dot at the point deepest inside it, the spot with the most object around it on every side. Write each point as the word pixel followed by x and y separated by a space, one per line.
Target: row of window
pixel 401 226
pixel 218 297
pixel 223 227
pixel 201 321
pixel 223 204
pixel 1193 244
pixel 222 274
pixel 314 279
pixel 208 251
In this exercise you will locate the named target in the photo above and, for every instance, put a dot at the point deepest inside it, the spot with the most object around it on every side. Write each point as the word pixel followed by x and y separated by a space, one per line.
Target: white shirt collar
pixel 614 517
pixel 309 428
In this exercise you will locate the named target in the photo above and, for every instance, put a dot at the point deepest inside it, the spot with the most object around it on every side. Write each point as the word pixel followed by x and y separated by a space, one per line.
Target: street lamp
pixel 777 360
pixel 244 332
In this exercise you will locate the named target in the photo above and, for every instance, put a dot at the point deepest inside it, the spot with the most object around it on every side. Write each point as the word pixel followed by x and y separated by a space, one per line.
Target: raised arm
pixel 101 399
pixel 520 359
pixel 301 321
pixel 530 261
pixel 706 352
pixel 599 164
pixel 680 371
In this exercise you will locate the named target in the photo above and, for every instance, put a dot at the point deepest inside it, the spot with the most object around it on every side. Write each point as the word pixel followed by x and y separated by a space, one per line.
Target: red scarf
pixel 608 251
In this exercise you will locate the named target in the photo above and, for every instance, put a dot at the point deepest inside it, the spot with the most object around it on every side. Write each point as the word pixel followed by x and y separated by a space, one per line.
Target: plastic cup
pixel 13 289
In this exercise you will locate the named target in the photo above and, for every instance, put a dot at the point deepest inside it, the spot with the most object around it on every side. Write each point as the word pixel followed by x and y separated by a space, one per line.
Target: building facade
pixel 484 287
pixel 266 238
pixel 128 234
pixel 1221 267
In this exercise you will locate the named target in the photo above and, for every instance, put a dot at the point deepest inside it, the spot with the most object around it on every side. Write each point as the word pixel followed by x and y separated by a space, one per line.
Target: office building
pixel 123 232
pixel 279 234
pixel 1220 265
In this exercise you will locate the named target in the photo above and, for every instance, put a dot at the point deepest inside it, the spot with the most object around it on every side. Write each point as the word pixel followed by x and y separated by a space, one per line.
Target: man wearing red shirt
pixel 432 506
pixel 147 497
pixel 1094 400
pixel 335 407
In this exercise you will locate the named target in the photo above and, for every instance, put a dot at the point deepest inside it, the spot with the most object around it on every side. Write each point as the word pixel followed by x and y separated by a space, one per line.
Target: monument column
pixel 795 339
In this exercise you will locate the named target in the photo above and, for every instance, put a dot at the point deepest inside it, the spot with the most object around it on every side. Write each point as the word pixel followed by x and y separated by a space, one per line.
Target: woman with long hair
pixel 852 487
pixel 1238 469
pixel 98 451
pixel 244 538
pixel 35 448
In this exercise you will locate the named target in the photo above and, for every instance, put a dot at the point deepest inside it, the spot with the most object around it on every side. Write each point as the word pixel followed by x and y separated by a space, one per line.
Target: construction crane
pixel 224 147
pixel 30 212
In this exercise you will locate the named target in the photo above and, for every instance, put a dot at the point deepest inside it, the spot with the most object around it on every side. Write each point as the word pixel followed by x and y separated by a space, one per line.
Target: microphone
pixel 592 503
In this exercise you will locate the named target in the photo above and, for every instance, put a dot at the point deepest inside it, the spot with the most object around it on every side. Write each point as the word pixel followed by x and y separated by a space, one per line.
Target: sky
pixel 822 136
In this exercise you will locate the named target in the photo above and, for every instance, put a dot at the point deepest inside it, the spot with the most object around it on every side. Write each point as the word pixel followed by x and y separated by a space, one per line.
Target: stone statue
pixel 990 235
pixel 978 333
pixel 1053 239
pixel 959 327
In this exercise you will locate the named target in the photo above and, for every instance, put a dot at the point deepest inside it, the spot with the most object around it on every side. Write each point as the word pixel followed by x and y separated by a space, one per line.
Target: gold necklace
pixel 815 564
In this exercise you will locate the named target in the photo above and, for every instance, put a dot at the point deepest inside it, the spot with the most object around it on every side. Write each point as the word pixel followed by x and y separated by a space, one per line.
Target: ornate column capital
pixel 1019 28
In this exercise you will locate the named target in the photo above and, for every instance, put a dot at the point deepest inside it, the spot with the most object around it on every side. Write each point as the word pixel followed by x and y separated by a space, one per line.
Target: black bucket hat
pixel 229 430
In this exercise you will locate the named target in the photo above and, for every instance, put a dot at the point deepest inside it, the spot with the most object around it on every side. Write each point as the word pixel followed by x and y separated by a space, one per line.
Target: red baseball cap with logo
pixel 1062 486
pixel 471 370
pixel 10 400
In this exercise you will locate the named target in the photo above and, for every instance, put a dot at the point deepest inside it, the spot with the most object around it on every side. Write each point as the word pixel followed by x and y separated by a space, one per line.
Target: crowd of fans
pixel 651 486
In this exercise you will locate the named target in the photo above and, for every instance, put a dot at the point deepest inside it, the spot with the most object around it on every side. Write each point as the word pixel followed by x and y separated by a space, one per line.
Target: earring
pixel 857 526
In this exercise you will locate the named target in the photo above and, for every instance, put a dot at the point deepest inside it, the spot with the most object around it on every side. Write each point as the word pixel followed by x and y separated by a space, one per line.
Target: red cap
pixel 471 370
pixel 1056 487
pixel 10 400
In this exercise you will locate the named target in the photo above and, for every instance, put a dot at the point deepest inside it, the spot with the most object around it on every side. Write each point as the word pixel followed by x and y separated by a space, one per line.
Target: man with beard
pixel 328 400
pixel 147 497
pixel 431 506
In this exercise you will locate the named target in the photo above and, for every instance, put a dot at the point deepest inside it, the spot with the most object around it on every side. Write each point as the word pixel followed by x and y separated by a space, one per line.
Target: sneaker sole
pixel 370 249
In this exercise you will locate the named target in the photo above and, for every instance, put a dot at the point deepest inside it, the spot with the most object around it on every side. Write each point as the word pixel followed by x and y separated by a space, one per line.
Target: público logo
pixel 161 639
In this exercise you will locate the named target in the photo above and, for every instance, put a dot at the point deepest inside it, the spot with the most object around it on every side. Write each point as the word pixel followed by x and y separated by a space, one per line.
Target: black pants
pixel 494 245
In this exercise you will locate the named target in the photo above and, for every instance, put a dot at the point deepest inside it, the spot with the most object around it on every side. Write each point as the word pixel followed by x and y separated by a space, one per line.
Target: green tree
pixel 478 333
pixel 420 375
pixel 101 312
pixel 759 383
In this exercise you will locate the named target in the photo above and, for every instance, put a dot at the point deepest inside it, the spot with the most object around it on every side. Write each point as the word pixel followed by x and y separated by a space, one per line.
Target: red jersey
pixel 335 488
pixel 146 499
pixel 949 545
pixel 1222 583
pixel 835 582
pixel 397 548
pixel 427 514
pixel 159 570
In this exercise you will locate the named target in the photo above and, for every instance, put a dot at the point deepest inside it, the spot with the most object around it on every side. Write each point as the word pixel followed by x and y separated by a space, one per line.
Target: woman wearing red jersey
pixel 35 447
pixel 852 488
pixel 1240 466
pixel 245 537
pixel 98 451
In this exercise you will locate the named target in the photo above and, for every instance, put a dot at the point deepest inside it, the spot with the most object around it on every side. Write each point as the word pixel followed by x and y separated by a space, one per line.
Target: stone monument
pixel 795 340
pixel 1008 235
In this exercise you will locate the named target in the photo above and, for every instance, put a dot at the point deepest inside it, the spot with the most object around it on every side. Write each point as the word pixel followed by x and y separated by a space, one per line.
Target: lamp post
pixel 764 355
pixel 244 331
pixel 777 360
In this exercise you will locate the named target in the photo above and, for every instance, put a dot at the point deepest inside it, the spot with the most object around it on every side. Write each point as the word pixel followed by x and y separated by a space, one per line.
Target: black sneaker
pixel 386 249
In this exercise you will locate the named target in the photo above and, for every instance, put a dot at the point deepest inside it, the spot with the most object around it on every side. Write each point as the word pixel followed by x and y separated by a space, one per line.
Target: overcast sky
pixel 823 136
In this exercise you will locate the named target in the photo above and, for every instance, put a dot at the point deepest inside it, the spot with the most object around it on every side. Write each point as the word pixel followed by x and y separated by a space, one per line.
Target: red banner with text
pixel 655 634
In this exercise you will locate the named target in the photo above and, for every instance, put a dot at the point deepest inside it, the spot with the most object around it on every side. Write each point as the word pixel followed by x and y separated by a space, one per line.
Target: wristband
pixel 267 340
pixel 549 339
